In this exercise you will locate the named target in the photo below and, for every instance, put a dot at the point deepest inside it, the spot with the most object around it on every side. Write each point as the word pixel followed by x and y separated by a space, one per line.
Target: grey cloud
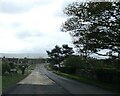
pixel 22 35
pixel 59 13
pixel 16 25
pixel 13 7
pixel 8 7
pixel 27 34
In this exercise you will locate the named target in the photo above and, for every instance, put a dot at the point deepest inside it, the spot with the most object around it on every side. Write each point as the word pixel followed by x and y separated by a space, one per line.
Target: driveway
pixel 41 81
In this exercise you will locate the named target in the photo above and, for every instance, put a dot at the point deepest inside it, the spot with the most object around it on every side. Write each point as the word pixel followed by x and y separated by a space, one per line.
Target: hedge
pixel 108 75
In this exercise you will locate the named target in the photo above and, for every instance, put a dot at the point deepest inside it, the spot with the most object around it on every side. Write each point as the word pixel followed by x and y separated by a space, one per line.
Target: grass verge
pixel 107 86
pixel 9 80
pixel 47 66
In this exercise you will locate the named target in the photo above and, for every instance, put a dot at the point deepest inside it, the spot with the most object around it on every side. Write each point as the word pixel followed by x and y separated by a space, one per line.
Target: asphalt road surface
pixel 41 81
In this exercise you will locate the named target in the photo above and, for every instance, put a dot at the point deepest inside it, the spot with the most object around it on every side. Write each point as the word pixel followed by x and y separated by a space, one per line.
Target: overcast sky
pixel 32 26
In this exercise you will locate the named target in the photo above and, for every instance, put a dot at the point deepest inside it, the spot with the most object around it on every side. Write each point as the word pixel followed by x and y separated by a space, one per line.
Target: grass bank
pixel 0 84
pixel 47 66
pixel 107 86
pixel 11 79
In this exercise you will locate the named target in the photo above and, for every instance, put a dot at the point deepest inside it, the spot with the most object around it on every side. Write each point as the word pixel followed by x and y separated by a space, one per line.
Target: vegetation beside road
pixel 10 79
pixel 107 86
pixel 113 86
pixel 92 31
pixel 104 73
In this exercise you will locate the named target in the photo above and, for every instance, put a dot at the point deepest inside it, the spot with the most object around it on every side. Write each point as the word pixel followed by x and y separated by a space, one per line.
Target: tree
pixel 67 51
pixel 55 55
pixel 94 26
pixel 58 54
pixel 25 60
pixel 5 67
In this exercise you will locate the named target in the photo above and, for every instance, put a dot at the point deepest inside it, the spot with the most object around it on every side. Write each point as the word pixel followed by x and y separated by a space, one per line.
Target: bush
pixel 72 63
pixel 12 65
pixel 106 75
pixel 55 68
pixel 69 70
pixel 118 78
pixel 5 67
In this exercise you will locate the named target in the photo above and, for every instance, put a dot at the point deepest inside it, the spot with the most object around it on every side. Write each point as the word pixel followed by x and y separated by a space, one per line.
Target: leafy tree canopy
pixel 94 26
pixel 58 54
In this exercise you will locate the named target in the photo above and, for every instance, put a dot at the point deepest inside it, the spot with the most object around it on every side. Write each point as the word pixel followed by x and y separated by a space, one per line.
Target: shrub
pixel 106 75
pixel 12 66
pixel 5 67
pixel 68 70
pixel 72 63
pixel 55 68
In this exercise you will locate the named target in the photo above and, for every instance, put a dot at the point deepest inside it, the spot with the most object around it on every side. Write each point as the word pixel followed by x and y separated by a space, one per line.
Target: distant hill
pixel 22 55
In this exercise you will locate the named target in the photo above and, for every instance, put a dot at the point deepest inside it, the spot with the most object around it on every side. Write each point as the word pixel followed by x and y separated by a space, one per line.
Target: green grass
pixel 107 86
pixel 32 67
pixel 47 66
pixel 9 80
pixel 76 77
pixel 0 83
pixel 86 80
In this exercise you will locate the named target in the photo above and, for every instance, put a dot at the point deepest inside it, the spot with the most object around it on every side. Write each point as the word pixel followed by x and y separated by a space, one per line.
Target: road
pixel 41 81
